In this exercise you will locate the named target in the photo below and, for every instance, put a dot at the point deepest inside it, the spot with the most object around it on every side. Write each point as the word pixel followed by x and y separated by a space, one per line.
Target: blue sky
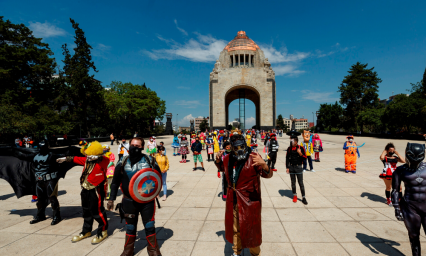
pixel 172 45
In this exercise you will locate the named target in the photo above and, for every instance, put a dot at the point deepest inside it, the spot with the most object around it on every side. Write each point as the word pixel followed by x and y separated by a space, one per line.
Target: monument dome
pixel 241 42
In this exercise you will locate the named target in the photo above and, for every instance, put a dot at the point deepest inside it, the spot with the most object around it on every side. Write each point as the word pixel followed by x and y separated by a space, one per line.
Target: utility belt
pixel 46 177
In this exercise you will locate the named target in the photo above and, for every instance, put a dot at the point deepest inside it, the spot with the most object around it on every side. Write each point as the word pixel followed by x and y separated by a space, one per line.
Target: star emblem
pixel 419 180
pixel 148 186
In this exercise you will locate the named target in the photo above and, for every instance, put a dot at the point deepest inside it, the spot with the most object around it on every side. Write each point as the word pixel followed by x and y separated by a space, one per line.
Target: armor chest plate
pixel 132 170
pixel 41 163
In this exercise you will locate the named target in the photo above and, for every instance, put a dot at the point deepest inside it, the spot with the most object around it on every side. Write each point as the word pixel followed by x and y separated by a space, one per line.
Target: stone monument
pixel 242 72
pixel 169 128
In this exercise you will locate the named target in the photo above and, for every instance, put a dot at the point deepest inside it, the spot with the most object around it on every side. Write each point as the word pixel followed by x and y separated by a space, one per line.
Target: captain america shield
pixel 145 185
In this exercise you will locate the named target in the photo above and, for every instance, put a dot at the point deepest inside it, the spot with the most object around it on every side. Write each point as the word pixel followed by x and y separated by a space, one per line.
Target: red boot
pixel 294 199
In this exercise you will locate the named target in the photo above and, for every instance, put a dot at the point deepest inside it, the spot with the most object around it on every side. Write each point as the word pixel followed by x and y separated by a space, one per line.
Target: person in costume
pixel 253 143
pixel 210 147
pixel 129 174
pixel 202 140
pixel 351 152
pixel 295 158
pixel 243 169
pixel 309 149
pixel 110 168
pixel 226 151
pixel 175 145
pixel 47 177
pixel 152 146
pixel 273 147
pixel 183 150
pixel 163 163
pixel 123 149
pixel 317 143
pixel 92 183
pixel 248 139
pixel 196 151
pixel 390 157
pixel 216 143
pixel 411 207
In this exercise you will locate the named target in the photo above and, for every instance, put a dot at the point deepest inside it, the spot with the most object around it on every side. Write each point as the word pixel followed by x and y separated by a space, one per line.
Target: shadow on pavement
pixel 288 193
pixel 7 196
pixel 228 246
pixel 169 193
pixel 67 212
pixel 373 197
pixel 339 169
pixel 139 246
pixel 378 248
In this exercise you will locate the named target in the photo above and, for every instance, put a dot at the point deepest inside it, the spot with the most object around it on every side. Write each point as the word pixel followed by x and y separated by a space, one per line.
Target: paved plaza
pixel 346 214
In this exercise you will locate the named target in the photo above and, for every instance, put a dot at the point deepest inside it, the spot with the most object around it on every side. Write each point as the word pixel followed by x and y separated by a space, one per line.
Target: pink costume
pixel 317 143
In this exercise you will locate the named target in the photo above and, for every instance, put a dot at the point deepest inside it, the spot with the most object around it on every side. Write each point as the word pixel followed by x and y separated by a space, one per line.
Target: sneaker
pixel 274 170
pixel 353 172
pixel 34 200
pixel 203 169
pixel 294 199
pixel 224 196
pixel 184 161
pixel 389 202
pixel 194 169
pixel 346 171
pixel 319 160
pixel 304 201
pixel 312 170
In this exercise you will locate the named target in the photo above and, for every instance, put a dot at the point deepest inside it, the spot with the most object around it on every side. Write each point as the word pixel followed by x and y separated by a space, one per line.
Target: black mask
pixel 239 147
pixel 44 147
pixel 414 154
pixel 135 154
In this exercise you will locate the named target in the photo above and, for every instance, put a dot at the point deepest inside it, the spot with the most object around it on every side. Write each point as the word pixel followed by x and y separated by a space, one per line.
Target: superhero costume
pixel 351 152
pixel 129 208
pixel 273 147
pixel 411 207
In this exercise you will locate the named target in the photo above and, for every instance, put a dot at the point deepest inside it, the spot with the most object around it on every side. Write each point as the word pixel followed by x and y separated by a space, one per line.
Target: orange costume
pixel 351 153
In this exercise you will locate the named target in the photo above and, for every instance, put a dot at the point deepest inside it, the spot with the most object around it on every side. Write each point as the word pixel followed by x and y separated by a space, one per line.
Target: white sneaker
pixel 304 170
pixel 312 170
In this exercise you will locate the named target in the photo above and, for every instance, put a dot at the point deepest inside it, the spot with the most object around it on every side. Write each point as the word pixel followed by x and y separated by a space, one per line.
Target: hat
pixel 272 134
pixel 350 136
pixel 293 133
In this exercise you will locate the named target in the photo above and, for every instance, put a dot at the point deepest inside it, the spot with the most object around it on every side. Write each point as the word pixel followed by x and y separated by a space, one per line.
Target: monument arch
pixel 242 72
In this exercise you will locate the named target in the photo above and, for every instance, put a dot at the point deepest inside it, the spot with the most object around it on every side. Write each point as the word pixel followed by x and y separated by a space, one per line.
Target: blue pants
pixel 310 163
pixel 164 177
pixel 112 142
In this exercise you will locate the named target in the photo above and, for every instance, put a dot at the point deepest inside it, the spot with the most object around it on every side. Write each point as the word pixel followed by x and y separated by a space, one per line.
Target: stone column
pixel 233 64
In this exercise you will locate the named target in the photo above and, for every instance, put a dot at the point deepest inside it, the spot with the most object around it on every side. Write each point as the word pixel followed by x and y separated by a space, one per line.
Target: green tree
pixel 280 122
pixel 358 92
pixel 400 113
pixel 204 125
pixel 80 91
pixel 330 116
pixel 132 107
pixel 372 119
pixel 424 82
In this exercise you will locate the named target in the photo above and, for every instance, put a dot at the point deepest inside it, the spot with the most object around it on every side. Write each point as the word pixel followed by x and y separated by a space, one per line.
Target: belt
pixel 46 177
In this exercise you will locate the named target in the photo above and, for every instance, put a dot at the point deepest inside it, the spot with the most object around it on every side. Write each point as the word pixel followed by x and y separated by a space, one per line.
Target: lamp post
pixel 313 118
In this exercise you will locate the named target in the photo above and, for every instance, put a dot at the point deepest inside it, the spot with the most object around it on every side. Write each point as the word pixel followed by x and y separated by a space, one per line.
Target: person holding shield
pixel 140 178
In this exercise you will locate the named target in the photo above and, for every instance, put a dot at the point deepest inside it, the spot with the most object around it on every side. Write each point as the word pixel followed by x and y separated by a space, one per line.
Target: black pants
pixel 147 212
pixel 296 171
pixel 210 155
pixel 308 159
pixel 272 160
pixel 224 184
pixel 414 217
pixel 120 156
pixel 46 192
pixel 92 202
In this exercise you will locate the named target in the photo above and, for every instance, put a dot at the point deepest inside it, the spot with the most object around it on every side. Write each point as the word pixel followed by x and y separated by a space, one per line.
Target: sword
pixel 356 146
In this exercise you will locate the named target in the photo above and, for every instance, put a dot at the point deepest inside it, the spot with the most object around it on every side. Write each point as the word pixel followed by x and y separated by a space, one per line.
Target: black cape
pixel 20 174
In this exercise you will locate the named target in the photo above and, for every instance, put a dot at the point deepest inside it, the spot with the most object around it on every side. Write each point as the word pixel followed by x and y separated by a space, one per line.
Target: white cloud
pixel 183 87
pixel 45 30
pixel 100 50
pixel 289 69
pixel 180 29
pixel 204 48
pixel 276 56
pixel 250 122
pixel 318 97
pixel 188 103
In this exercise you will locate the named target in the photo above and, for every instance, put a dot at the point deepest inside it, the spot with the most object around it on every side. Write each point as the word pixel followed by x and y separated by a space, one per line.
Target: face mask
pixel 228 151
pixel 351 140
pixel 135 151
pixel 152 140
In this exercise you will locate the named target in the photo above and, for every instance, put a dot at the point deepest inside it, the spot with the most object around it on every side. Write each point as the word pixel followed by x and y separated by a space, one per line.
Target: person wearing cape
pixel 35 172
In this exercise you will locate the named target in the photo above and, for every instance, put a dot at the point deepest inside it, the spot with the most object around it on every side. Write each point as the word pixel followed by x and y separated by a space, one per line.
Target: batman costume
pixel 35 173
pixel 411 208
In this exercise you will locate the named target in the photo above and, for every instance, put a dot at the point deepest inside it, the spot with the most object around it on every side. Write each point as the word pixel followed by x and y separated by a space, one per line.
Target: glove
pixel 110 205
pixel 92 158
pixel 218 174
pixel 61 160
pixel 398 214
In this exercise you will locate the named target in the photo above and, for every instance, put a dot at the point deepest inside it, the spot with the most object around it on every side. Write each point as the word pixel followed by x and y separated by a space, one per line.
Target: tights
pixel 208 156
pixel 300 180
pixel 184 157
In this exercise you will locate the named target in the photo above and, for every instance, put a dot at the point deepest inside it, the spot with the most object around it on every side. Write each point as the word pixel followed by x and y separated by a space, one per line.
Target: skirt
pixel 151 151
pixel 183 151
pixel 175 145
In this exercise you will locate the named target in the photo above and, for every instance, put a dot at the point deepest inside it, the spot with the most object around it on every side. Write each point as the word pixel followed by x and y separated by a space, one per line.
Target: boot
pixel 56 217
pixel 294 199
pixel 415 246
pixel 129 245
pixel 152 248
pixel 37 219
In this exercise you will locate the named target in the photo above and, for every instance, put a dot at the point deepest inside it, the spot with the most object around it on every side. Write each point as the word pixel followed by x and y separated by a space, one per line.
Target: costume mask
pixel 306 136
pixel 44 147
pixel 414 154
pixel 239 147
pixel 351 140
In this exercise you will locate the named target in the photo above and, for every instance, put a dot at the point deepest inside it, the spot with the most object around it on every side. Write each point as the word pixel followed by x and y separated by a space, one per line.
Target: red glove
pixel 218 174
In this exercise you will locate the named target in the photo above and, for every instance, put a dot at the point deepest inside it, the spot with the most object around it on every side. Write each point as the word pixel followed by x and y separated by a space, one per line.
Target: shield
pixel 145 185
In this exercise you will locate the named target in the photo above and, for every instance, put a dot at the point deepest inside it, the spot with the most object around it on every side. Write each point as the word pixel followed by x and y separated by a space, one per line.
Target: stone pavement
pixel 346 214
